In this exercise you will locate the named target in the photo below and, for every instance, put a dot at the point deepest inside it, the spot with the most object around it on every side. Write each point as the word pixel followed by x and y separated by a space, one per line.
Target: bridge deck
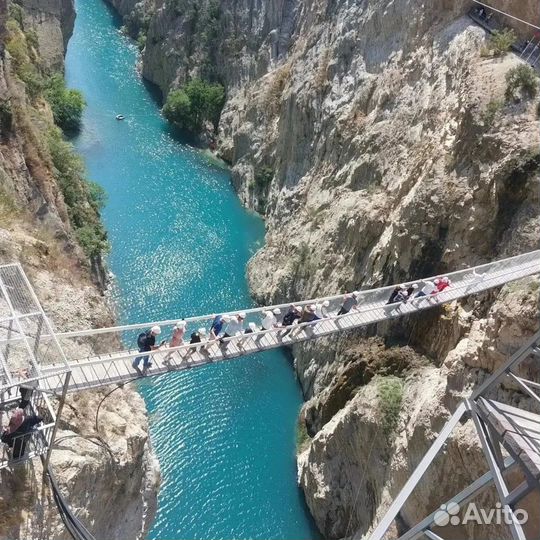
pixel 117 367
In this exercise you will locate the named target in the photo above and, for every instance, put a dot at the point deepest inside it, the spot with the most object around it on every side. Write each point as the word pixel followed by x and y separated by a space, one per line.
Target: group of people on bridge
pixel 285 323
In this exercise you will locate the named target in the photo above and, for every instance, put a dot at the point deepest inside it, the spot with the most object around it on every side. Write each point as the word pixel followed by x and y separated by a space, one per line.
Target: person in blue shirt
pixel 217 325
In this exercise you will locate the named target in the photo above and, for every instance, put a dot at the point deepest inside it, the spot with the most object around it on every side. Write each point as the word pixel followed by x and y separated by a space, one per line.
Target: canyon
pixel 108 474
pixel 377 141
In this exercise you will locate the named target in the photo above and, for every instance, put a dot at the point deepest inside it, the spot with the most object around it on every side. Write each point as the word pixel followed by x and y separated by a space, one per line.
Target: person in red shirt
pixel 443 284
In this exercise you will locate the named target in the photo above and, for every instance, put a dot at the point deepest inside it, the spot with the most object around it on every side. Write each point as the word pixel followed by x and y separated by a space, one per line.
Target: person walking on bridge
pixel 395 292
pixel 321 310
pixel 177 338
pixel 235 327
pixel 218 323
pixel 401 298
pixel 308 315
pixel 146 343
pixel 290 318
pixel 350 301
pixel 443 284
pixel 268 321
pixel 427 290
pixel 197 337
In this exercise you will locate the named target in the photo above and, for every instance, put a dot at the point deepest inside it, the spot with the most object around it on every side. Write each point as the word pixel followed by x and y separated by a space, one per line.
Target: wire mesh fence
pixel 27 341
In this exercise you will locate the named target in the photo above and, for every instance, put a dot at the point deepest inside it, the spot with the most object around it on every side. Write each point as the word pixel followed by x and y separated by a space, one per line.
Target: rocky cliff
pixel 107 473
pixel 52 21
pixel 381 143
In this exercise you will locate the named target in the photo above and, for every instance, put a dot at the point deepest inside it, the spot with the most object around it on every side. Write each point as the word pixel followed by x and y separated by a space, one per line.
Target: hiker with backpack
pixel 146 341
pixel 198 336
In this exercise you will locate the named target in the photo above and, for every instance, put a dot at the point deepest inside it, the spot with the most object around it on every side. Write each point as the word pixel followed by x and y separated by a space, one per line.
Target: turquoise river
pixel 224 434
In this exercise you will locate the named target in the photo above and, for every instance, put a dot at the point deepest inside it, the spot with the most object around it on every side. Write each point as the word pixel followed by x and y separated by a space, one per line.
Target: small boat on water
pixel 120 116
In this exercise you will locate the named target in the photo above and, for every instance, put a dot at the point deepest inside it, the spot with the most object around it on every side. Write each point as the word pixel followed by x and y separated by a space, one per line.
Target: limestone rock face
pixel 52 21
pixel 351 471
pixel 108 475
pixel 377 141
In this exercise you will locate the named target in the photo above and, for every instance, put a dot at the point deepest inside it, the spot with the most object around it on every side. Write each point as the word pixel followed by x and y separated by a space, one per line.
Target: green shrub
pixel 390 390
pixel 16 44
pixel 29 74
pixel 492 108
pixel 98 196
pixel 92 239
pixel 32 39
pixel 26 64
pixel 195 103
pixel 263 177
pixel 141 41
pixel 83 199
pixel 6 116
pixel 16 13
pixel 8 207
pixel 67 105
pixel 521 81
pixel 501 41
pixel 177 109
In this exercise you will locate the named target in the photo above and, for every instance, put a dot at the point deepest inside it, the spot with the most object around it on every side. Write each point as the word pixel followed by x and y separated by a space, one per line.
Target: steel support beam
pixel 57 421
pixel 463 497
pixel 502 489
pixel 412 482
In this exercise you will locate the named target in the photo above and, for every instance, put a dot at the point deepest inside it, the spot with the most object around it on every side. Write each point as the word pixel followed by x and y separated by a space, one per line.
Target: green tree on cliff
pixel 194 104
pixel 67 105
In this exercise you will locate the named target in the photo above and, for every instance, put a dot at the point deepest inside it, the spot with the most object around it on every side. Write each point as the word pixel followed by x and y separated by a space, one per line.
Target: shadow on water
pixel 154 91
pixel 117 19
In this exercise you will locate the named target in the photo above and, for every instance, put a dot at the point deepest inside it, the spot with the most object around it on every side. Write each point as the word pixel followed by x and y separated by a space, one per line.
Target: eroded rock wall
pixel 52 21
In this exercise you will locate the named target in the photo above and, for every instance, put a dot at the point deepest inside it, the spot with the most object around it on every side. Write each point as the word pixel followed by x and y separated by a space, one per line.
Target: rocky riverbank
pixel 109 475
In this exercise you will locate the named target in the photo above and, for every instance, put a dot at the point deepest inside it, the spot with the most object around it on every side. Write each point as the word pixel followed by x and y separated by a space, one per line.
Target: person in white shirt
pixel 478 277
pixel 234 327
pixel 428 289
pixel 269 320
pixel 321 310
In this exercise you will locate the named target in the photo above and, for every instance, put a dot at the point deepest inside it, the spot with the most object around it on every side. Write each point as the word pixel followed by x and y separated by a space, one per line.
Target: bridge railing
pixel 372 308
pixel 26 446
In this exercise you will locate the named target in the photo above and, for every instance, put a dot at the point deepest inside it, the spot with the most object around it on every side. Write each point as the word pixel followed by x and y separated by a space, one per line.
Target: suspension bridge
pixel 36 357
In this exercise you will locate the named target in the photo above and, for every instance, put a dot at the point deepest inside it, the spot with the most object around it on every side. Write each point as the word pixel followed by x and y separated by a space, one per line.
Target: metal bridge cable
pixel 376 307
pixel 97 440
pixel 507 14
pixel 364 293
pixel 75 528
